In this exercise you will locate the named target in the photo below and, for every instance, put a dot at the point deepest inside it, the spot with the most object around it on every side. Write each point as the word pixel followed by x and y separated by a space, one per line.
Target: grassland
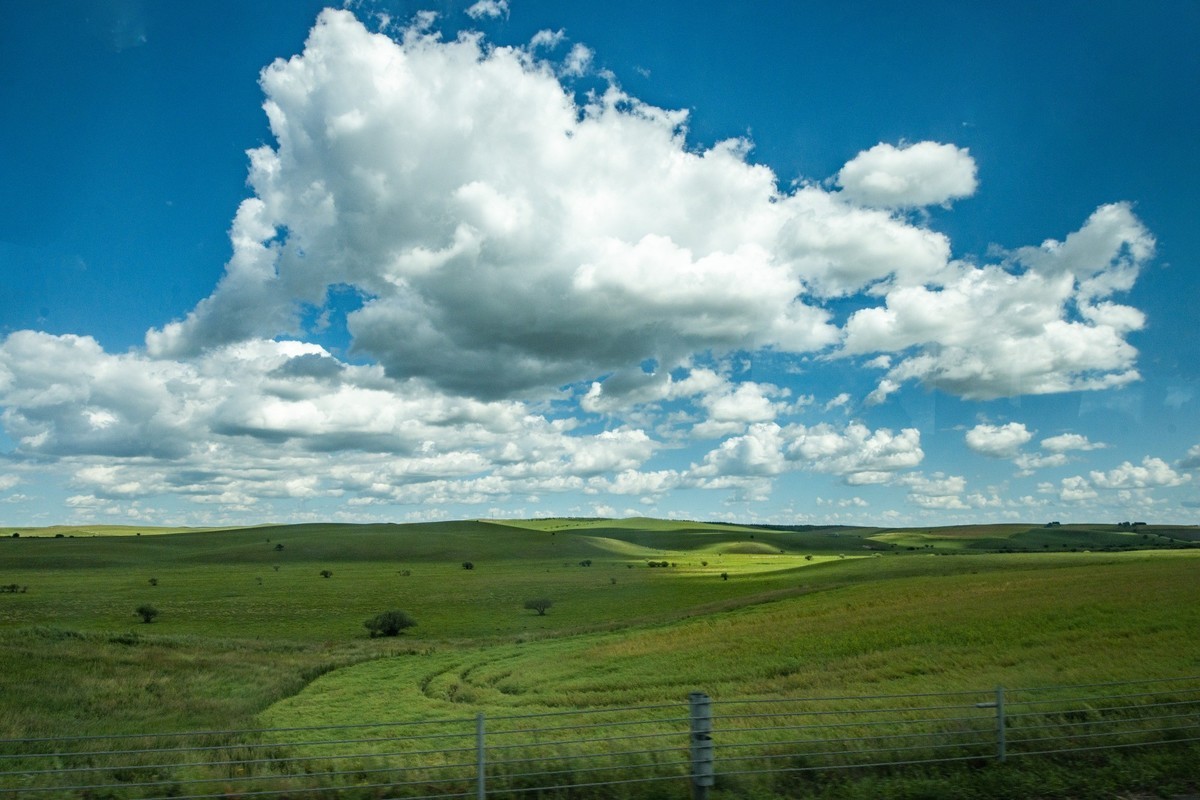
pixel 249 634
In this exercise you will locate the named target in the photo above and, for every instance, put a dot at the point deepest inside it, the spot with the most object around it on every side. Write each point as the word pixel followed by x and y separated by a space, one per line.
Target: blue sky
pixel 817 262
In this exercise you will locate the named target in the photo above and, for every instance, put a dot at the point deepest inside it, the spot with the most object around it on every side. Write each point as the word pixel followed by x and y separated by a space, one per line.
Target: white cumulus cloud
pixel 983 332
pixel 488 8
pixel 998 441
pixel 1069 441
pixel 920 174
pixel 1150 473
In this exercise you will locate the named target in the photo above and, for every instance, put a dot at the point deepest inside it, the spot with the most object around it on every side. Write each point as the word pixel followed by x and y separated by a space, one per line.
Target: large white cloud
pixel 507 239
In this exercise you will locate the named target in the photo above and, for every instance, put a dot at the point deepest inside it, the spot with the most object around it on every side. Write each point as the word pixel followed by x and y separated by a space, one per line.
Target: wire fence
pixel 610 753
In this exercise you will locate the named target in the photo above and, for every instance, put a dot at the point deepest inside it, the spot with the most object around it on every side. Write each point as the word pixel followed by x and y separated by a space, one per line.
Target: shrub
pixel 468 565
pixel 389 623
pixel 326 573
pixel 147 612
pixel 154 581
pixel 539 604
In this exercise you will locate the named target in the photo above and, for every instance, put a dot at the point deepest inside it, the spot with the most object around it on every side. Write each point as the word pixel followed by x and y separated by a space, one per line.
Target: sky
pixel 794 262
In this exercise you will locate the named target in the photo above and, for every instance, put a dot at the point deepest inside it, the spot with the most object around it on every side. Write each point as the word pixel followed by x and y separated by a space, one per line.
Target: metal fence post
pixel 700 717
pixel 481 759
pixel 1000 743
pixel 997 704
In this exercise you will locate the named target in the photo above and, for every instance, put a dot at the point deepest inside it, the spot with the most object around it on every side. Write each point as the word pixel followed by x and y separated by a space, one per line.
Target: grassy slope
pixel 866 626
pixel 236 634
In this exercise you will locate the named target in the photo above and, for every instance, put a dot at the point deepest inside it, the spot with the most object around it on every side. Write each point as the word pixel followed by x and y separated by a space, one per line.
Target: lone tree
pixel 539 604
pixel 326 573
pixel 389 623
pixel 468 565
pixel 147 612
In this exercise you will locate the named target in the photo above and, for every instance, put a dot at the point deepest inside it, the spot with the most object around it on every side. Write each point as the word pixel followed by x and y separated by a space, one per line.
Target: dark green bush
pixel 389 623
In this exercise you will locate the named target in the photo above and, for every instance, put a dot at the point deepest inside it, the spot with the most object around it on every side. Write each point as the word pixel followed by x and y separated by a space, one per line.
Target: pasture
pixel 250 634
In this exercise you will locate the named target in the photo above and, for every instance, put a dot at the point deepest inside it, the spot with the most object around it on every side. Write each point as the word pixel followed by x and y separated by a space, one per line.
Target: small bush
pixel 147 612
pixel 539 604
pixel 468 565
pixel 326 573
pixel 389 623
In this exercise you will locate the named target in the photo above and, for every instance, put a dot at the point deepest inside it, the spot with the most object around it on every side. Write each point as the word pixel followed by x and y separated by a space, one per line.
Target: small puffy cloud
pixel 1076 489
pixel 998 441
pixel 920 174
pixel 937 491
pixel 1066 442
pixel 488 8
pixel 1029 462
pixel 634 482
pixel 1192 460
pixel 841 401
pixel 736 406
pixel 1152 472
pixel 578 61
pixel 855 451
pixel 547 38
pixel 758 453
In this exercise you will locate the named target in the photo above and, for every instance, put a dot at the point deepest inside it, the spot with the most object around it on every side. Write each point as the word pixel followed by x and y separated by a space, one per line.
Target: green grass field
pixel 249 633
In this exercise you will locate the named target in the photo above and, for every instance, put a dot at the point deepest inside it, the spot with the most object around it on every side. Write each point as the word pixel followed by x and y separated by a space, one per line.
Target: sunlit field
pixel 263 627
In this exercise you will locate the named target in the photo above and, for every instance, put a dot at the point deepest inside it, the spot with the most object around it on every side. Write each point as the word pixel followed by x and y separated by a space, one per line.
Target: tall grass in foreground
pixel 942 745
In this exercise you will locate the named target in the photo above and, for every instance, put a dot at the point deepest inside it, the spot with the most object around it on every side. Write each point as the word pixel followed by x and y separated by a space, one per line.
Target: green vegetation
pixel 389 623
pixel 247 637
pixel 147 612
pixel 540 605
